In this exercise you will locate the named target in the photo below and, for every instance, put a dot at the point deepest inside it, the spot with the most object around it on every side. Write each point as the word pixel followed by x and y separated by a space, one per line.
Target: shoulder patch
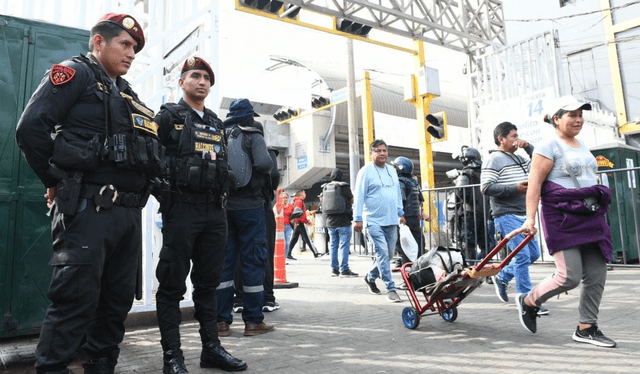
pixel 61 74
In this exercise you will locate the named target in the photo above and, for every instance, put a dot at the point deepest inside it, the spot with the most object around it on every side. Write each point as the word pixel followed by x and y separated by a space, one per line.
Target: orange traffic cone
pixel 279 261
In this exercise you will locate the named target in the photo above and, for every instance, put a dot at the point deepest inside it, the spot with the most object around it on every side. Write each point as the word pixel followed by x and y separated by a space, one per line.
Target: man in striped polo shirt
pixel 504 178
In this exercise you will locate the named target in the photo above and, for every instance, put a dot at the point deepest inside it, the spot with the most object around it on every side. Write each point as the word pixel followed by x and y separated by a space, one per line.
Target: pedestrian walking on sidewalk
pixel 299 226
pixel 378 189
pixel 337 200
pixel 504 178
pixel 563 177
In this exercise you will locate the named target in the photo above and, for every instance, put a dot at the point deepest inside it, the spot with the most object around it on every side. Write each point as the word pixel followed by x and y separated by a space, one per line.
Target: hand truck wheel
pixel 410 317
pixel 451 314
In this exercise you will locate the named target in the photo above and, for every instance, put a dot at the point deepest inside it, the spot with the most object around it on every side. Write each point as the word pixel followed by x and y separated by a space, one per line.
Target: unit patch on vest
pixel 178 127
pixel 144 123
pixel 143 109
pixel 207 136
pixel 206 147
pixel 61 74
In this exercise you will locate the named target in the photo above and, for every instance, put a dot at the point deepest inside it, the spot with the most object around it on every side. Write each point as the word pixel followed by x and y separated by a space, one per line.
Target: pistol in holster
pixel 67 190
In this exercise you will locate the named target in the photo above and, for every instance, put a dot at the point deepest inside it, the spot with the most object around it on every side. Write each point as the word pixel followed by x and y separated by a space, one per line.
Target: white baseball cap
pixel 568 103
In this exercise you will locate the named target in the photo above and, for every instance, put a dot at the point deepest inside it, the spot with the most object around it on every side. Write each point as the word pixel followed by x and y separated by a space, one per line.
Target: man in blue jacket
pixel 378 189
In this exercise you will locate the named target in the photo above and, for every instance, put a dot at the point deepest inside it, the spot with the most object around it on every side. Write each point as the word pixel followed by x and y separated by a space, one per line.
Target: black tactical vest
pixel 201 163
pixel 471 197
pixel 412 206
pixel 130 138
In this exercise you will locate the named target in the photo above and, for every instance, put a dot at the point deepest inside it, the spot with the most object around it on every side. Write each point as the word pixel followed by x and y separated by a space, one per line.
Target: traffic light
pixel 351 27
pixel 319 102
pixel 271 6
pixel 290 11
pixel 437 125
pixel 285 113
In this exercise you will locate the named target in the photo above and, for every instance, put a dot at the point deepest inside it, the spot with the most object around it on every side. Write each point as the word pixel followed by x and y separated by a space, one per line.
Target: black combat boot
pixel 214 355
pixel 172 356
pixel 101 364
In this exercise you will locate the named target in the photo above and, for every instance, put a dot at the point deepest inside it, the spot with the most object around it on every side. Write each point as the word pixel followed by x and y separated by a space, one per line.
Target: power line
pixel 574 15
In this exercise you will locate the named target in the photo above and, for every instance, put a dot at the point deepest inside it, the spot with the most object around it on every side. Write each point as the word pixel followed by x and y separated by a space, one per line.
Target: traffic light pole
pixel 422 109
pixel 422 103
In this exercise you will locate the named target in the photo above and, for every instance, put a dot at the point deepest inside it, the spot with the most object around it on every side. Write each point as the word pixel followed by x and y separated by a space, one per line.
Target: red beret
pixel 128 24
pixel 197 63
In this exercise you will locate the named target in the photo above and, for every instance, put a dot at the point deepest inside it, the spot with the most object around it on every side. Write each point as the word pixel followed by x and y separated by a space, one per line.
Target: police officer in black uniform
pixel 194 219
pixel 471 207
pixel 97 173
pixel 412 200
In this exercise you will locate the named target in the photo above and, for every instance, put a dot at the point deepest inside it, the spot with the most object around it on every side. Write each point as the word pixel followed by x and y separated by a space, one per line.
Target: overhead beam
pixel 463 26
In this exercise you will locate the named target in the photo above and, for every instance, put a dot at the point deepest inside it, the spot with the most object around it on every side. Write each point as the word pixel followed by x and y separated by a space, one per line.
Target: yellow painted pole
pixel 367 117
pixel 426 154
pixel 612 50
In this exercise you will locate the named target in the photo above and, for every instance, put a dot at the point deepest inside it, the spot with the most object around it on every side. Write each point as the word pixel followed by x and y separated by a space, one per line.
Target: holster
pixel 154 185
pixel 67 190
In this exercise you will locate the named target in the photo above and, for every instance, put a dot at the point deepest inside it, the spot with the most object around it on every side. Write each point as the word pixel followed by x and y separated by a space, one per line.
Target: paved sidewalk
pixel 333 325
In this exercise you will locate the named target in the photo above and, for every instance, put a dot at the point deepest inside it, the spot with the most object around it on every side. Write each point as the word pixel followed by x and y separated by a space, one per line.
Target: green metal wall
pixel 624 201
pixel 27 50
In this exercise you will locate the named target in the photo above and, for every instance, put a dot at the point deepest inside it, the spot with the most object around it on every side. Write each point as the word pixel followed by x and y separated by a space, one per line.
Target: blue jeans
pixel 383 239
pixel 340 236
pixel 519 265
pixel 246 240
pixel 287 237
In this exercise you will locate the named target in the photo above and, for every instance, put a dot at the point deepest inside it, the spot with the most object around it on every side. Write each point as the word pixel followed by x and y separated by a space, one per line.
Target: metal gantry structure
pixel 470 27
pixel 463 26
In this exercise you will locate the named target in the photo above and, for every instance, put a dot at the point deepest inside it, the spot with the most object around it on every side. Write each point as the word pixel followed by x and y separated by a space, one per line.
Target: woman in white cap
pixel 563 178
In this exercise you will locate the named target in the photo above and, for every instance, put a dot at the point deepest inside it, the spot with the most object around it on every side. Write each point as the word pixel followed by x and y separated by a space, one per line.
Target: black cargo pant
pixel 191 233
pixel 95 259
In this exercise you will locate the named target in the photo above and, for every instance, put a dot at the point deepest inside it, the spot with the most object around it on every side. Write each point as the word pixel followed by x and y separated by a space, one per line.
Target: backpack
pixel 333 202
pixel 240 163
pixel 434 265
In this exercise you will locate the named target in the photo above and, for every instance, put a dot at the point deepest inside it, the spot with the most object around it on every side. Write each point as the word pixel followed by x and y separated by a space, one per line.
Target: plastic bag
pixel 408 243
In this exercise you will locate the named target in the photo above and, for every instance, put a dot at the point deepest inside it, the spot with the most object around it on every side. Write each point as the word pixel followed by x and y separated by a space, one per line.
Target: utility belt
pixel 200 198
pixel 70 190
pixel 107 195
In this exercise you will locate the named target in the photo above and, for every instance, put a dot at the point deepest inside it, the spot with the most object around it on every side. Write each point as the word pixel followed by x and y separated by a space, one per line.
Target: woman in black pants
pixel 299 228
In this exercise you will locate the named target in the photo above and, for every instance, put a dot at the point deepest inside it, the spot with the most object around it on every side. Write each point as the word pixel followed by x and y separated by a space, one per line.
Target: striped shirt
pixel 501 174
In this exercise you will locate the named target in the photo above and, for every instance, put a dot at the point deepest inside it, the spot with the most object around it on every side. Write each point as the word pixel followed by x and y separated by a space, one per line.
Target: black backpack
pixel 333 202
